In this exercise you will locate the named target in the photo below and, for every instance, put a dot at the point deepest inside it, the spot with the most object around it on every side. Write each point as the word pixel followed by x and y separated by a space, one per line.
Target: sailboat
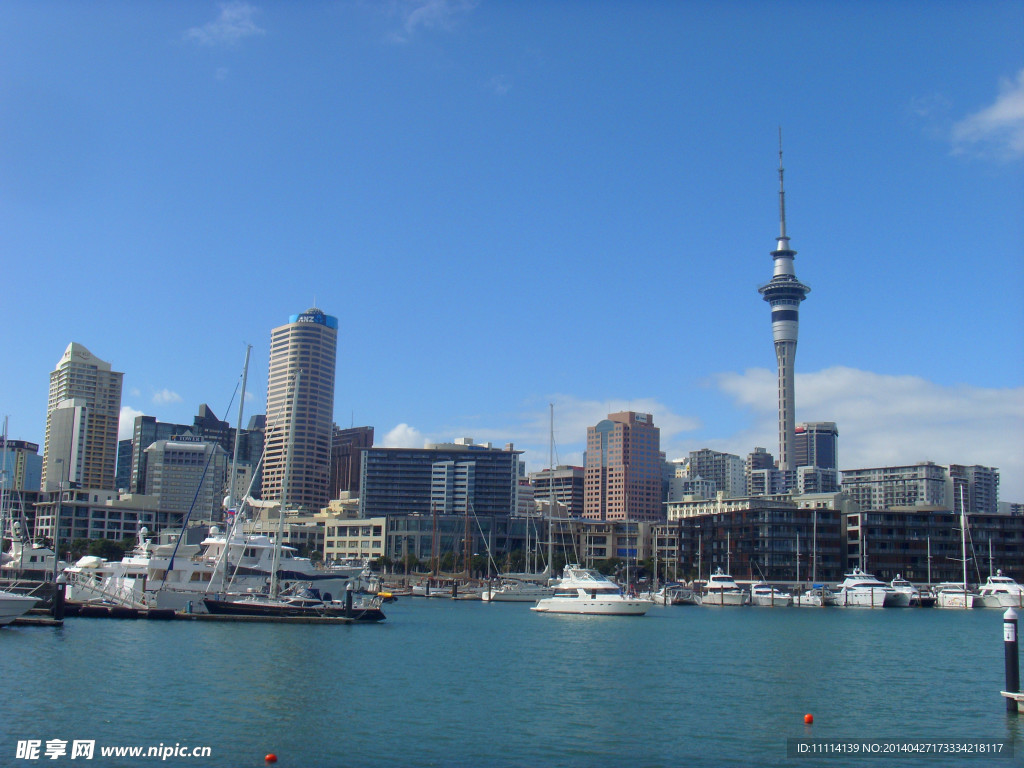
pixel 531 587
pixel 298 602
pixel 952 594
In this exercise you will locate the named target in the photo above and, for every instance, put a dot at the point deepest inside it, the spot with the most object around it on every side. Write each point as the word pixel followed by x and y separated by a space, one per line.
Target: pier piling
pixel 1012 660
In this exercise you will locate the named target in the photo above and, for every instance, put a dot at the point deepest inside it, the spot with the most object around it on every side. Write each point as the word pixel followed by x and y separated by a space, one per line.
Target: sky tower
pixel 784 292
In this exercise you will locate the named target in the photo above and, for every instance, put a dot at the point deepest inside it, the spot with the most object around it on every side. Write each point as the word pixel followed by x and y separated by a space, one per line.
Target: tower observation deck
pixel 784 293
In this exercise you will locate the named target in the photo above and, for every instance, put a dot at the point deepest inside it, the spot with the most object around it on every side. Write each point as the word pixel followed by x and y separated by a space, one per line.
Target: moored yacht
pixel 155 576
pixel 766 595
pixel 673 593
pixel 1001 591
pixel 722 589
pixel 903 586
pixel 515 591
pixel 953 594
pixel 818 596
pixel 862 590
pixel 587 592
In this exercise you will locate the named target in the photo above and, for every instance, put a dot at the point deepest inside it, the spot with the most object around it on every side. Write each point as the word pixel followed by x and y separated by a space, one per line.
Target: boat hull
pixel 724 597
pixel 14 606
pixel 276 610
pixel 597 606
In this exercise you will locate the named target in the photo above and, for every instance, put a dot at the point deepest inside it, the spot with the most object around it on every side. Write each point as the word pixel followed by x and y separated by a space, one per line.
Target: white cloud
pixel 891 420
pixel 235 22
pixel 126 422
pixel 166 397
pixel 403 436
pixel 416 15
pixel 998 129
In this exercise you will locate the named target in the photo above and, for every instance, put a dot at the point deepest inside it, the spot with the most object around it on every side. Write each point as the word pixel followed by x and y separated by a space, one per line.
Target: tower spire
pixel 782 198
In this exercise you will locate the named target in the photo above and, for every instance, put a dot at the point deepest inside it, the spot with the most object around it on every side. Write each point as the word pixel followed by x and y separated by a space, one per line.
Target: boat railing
pixel 120 594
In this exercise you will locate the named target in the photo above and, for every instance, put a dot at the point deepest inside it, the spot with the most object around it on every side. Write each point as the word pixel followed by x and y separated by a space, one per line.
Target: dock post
pixel 58 597
pixel 1012 659
pixel 455 590
pixel 348 602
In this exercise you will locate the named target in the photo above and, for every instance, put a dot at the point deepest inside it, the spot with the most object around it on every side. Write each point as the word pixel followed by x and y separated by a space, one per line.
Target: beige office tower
pixel 622 479
pixel 307 344
pixel 82 416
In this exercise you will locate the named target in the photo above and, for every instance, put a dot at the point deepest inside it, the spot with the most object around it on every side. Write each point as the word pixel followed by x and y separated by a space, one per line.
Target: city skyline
pixel 498 214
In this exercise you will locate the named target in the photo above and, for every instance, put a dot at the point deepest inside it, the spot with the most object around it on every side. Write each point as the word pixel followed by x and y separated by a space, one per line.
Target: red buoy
pixel 808 718
pixel 271 758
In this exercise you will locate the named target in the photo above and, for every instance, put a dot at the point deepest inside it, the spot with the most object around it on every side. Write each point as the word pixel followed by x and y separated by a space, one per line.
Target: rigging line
pixel 192 506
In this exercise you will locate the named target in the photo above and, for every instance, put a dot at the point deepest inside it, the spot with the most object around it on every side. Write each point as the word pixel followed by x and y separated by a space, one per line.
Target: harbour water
pixel 461 683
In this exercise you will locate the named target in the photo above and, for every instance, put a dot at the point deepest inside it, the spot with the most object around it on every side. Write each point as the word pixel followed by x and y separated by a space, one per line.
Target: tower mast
pixel 784 293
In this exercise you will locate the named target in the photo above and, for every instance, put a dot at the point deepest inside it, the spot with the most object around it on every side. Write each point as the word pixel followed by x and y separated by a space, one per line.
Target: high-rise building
pixel 784 293
pixel 566 483
pixel 20 465
pixel 977 486
pixel 187 474
pixel 347 446
pixel 623 470
pixel 444 478
pixel 915 485
pixel 726 470
pixel 816 444
pixel 307 346
pixel 81 422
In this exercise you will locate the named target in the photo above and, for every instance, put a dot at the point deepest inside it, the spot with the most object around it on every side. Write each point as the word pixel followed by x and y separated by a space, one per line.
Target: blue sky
pixel 513 204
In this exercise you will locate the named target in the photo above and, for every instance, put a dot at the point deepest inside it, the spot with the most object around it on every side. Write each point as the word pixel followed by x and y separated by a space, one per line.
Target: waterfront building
pixel 187 475
pixel 347 446
pixel 82 415
pixel 623 472
pixel 785 293
pixel 446 478
pixel 925 544
pixel 766 538
pixel 566 482
pixel 88 513
pixel 306 343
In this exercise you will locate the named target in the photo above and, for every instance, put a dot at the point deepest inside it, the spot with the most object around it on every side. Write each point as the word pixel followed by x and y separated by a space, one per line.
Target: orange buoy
pixel 808 718
pixel 271 758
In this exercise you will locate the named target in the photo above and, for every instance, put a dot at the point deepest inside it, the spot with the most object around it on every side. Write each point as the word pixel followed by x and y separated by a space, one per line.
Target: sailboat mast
pixel 238 431
pixel 551 491
pixel 814 549
pixel 274 585
pixel 963 540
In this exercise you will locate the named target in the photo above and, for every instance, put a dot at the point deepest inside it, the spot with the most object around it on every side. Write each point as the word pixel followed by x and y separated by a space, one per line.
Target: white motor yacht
pixel 862 590
pixel 12 606
pixel 586 592
pixel 722 589
pixel 905 587
pixel 1001 592
pixel 766 595
pixel 953 594
pixel 818 596
pixel 515 591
